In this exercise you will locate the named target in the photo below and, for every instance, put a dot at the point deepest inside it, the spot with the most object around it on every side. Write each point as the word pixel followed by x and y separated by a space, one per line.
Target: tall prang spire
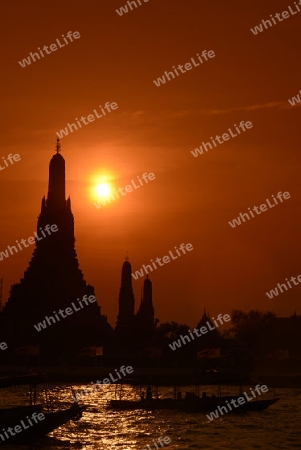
pixel 145 321
pixel 146 310
pixel 56 198
pixel 126 310
pixel 52 282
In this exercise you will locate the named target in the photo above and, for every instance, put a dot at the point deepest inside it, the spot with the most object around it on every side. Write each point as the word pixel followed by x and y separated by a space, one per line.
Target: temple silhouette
pixel 52 281
pixel 126 311
pixel 133 332
pixel 145 318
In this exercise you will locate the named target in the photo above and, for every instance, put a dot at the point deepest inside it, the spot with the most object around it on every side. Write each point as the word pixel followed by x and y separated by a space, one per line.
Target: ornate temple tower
pixel 145 321
pixel 126 312
pixel 145 314
pixel 133 333
pixel 53 281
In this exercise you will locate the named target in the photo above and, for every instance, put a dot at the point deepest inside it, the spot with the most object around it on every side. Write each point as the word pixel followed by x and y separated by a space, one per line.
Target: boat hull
pixel 52 421
pixel 194 404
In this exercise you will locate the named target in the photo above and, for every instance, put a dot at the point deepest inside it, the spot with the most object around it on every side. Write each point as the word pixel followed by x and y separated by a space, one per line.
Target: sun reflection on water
pixel 106 429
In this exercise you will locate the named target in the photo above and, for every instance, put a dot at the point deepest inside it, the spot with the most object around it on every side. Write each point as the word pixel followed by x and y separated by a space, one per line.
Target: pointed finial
pixel 126 256
pixel 58 146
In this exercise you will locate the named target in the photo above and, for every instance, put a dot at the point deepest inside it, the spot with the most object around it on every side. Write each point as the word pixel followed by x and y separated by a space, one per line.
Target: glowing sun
pixel 102 190
pixel 101 185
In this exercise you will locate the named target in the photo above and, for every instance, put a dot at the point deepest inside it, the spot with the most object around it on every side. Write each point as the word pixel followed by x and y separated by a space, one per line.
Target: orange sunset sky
pixel 154 130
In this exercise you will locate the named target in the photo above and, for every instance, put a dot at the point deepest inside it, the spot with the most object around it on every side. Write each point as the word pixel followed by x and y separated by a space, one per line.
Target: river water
pixel 279 427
